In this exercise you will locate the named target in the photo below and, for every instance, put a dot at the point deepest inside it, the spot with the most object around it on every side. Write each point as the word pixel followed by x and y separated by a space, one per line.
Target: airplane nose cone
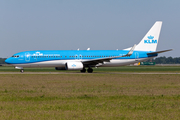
pixel 7 61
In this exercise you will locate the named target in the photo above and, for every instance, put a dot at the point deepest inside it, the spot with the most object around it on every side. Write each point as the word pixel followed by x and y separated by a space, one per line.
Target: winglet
pixel 131 50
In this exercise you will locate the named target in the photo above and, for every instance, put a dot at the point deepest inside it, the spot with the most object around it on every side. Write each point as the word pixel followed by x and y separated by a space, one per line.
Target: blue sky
pixel 98 24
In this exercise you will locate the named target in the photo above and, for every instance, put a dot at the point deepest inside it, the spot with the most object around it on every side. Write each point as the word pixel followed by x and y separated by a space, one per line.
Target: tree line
pixel 158 60
pixel 166 60
pixel 2 60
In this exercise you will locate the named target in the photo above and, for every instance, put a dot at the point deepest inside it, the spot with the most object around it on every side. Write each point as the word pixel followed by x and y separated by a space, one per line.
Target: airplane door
pixel 136 55
pixel 78 57
pixel 27 57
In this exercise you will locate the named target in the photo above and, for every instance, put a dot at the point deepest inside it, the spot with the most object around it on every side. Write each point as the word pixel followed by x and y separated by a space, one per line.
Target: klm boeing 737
pixel 82 59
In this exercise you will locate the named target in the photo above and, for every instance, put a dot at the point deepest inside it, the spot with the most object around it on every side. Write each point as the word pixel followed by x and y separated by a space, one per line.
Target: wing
pixel 106 59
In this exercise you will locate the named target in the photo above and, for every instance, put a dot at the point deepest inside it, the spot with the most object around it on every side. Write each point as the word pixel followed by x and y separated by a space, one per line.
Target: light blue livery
pixel 82 59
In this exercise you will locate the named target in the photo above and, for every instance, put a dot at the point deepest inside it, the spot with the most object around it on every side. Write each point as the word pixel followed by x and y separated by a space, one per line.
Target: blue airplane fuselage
pixel 29 57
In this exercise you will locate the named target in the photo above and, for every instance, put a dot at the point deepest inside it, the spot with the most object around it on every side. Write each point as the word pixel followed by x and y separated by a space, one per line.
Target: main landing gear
pixel 89 70
pixel 83 70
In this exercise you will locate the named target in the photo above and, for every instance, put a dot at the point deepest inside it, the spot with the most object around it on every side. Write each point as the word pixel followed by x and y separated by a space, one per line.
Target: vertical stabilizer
pixel 150 40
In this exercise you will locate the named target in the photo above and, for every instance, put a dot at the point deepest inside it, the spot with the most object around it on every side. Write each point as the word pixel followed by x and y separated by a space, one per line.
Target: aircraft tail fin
pixel 150 40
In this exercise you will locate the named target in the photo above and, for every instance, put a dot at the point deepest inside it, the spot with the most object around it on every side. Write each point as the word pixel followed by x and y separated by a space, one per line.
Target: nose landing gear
pixel 22 70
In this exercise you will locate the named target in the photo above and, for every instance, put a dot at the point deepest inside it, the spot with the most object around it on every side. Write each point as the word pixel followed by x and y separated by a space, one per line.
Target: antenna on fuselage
pixel 88 49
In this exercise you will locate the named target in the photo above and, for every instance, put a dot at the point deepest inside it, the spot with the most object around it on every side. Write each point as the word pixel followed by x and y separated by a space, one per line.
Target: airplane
pixel 82 59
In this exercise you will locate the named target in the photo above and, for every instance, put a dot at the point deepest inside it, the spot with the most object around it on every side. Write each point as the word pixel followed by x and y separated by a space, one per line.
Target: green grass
pixel 103 69
pixel 88 107
pixel 89 96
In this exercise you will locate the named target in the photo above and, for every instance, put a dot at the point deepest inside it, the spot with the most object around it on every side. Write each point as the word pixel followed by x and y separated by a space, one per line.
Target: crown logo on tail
pixel 150 40
pixel 150 37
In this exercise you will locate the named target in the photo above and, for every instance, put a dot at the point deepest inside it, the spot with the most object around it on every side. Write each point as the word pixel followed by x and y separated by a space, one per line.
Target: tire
pixel 90 70
pixel 21 70
pixel 83 70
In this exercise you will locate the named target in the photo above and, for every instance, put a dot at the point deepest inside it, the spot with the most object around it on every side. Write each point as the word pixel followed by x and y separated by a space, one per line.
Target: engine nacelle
pixel 74 66
pixel 60 68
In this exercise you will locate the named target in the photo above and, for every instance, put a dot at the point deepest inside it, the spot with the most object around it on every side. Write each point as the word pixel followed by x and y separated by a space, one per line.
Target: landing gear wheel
pixel 90 70
pixel 83 70
pixel 21 70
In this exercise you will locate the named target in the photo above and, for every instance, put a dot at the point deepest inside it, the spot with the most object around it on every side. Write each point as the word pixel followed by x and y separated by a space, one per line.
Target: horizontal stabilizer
pixel 158 52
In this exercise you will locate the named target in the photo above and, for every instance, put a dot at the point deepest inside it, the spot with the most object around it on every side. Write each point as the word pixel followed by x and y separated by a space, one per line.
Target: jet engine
pixel 74 66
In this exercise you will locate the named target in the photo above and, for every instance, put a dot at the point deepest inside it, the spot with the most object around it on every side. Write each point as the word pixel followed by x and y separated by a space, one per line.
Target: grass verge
pixel 89 96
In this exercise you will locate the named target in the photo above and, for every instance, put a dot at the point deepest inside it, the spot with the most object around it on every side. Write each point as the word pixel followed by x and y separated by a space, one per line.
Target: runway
pixel 140 73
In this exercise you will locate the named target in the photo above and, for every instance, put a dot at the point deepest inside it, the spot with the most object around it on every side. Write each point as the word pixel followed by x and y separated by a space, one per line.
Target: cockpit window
pixel 15 56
